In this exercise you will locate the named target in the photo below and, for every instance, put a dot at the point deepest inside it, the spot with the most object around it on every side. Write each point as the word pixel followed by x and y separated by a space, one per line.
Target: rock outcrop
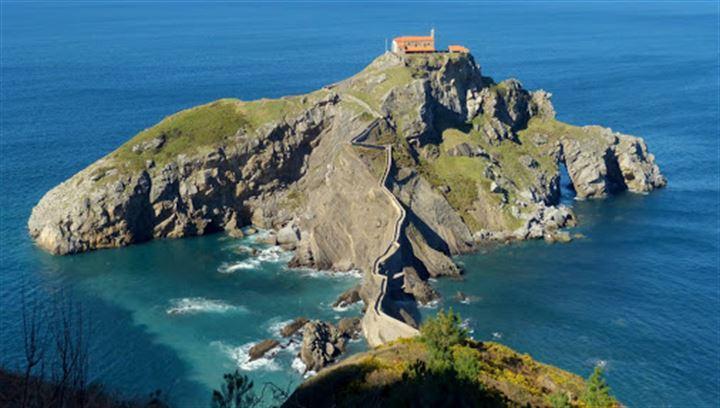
pixel 349 297
pixel 322 343
pixel 293 327
pixel 260 349
pixel 604 162
pixel 472 161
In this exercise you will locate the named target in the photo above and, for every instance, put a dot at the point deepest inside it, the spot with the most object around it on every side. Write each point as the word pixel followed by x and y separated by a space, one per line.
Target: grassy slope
pixel 507 378
pixel 203 128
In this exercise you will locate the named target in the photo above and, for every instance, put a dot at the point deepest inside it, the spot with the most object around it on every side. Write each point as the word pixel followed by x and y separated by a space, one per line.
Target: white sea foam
pixel 201 305
pixel 243 249
pixel 273 254
pixel 433 304
pixel 240 355
pixel 226 267
pixel 469 299
pixel 325 274
pixel 276 325
pixel 298 365
pixel 497 335
pixel 345 307
pixel 601 363
pixel 465 324
pixel 292 347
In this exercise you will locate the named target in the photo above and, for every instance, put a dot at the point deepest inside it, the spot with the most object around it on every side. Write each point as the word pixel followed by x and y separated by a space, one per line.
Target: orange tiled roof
pixel 412 38
pixel 457 48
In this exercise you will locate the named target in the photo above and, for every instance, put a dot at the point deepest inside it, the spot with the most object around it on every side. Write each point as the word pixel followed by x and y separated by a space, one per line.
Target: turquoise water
pixel 639 292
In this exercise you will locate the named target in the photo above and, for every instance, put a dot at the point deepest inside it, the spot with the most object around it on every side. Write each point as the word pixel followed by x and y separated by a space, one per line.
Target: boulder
pixel 417 287
pixel 348 297
pixel 461 296
pixel 293 327
pixel 153 144
pixel 258 350
pixel 322 344
pixel 350 327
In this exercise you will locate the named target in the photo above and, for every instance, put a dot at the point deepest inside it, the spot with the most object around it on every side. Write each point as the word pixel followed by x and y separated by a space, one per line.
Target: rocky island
pixel 416 158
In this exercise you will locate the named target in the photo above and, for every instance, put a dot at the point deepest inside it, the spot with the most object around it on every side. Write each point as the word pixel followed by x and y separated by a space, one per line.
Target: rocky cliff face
pixel 473 160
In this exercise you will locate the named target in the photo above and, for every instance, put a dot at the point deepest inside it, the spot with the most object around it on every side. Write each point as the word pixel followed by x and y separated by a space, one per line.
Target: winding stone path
pixel 378 326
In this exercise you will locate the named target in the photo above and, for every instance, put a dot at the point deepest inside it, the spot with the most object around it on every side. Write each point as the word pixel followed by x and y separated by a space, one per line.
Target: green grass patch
pixel 204 127
pixel 184 132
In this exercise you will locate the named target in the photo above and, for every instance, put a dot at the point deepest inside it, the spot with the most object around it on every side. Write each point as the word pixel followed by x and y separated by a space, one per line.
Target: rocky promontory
pixel 472 160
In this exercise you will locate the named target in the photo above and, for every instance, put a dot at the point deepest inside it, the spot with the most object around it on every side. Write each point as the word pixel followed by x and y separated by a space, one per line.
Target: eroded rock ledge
pixel 473 161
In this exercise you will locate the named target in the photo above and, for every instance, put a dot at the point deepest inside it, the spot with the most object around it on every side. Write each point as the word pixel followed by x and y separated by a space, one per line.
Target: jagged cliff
pixel 472 160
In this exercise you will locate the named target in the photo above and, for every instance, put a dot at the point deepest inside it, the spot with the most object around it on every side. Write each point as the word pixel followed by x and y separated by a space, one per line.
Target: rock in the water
pixel 322 343
pixel 258 350
pixel 350 327
pixel 417 287
pixel 461 297
pixel 610 162
pixel 348 297
pixel 293 327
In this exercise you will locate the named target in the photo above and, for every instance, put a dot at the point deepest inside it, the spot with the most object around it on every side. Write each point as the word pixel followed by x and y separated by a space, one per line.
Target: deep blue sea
pixel 639 293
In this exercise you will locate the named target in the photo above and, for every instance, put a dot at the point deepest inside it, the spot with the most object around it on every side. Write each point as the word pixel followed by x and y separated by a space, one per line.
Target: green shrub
pixel 467 363
pixel 443 331
pixel 440 333
pixel 559 400
pixel 597 392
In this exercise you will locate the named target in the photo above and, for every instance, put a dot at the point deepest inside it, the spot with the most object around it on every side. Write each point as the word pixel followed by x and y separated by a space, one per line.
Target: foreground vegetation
pixel 444 367
pixel 56 367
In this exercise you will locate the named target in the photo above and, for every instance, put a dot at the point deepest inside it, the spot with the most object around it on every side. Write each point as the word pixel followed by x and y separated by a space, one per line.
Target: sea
pixel 637 291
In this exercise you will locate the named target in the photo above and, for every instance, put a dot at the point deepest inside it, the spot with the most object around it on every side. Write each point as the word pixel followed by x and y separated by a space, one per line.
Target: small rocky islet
pixel 391 172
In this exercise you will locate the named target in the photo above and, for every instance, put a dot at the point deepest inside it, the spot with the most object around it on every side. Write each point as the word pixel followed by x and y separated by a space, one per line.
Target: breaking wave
pixel 326 274
pixel 273 254
pixel 433 304
pixel 300 367
pixel 240 355
pixel 242 265
pixel 201 305
pixel 346 307
pixel 276 325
